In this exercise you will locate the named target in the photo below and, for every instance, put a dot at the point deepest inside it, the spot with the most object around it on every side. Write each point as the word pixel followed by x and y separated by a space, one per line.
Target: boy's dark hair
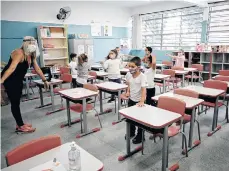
pixel 149 49
pixel 73 55
pixel 136 60
pixel 115 52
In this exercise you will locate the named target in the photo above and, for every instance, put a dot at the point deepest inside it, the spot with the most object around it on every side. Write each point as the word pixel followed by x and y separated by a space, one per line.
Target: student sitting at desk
pixel 112 66
pixel 179 60
pixel 136 92
pixel 73 66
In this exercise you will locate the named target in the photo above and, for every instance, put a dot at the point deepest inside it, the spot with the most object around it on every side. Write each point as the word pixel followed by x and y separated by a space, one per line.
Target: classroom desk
pixel 151 117
pixel 191 103
pixel 61 155
pixel 101 74
pixel 27 76
pixel 180 72
pixel 124 71
pixel 202 82
pixel 215 93
pixel 192 70
pixel 76 94
pixel 163 78
pixel 53 82
pixel 56 72
pixel 110 87
pixel 219 75
pixel 89 78
pixel 162 66
pixel 96 67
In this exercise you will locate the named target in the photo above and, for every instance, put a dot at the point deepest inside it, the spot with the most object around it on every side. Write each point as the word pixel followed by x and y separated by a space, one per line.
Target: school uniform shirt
pixel 179 61
pixel 136 84
pixel 73 66
pixel 82 73
pixel 150 74
pixel 113 68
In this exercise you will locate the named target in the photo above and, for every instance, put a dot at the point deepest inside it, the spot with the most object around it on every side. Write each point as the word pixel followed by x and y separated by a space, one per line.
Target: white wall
pixel 82 12
pixel 159 6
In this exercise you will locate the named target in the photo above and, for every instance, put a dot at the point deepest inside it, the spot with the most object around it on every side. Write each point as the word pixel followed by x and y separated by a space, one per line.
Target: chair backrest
pixel 222 78
pixel 67 78
pixel 170 72
pixel 224 72
pixel 64 70
pixel 186 92
pixel 172 104
pixel 178 68
pixel 199 67
pixel 216 84
pixel 32 148
pixel 91 87
pixel 167 63
pixel 92 73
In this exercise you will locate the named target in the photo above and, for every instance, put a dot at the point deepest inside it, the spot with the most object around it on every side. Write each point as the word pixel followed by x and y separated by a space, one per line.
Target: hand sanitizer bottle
pixel 74 158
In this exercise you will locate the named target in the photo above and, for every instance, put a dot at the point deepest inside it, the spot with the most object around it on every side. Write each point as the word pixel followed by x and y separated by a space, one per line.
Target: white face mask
pixel 31 48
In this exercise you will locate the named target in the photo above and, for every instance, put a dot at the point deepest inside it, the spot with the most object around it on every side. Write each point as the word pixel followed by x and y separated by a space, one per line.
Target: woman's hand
pixel 46 85
pixel 140 104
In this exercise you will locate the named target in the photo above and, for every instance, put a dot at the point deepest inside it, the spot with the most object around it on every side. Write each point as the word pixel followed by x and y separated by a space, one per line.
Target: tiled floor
pixel 109 143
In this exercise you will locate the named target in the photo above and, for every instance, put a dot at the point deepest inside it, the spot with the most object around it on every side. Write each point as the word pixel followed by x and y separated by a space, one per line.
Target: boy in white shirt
pixel 112 66
pixel 136 92
pixel 73 66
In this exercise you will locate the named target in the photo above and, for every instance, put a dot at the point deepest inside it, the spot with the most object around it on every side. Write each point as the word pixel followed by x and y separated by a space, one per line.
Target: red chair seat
pixel 187 118
pixel 56 90
pixel 32 84
pixel 79 107
pixel 194 76
pixel 188 76
pixel 175 80
pixel 172 131
pixel 209 104
pixel 161 84
pixel 123 97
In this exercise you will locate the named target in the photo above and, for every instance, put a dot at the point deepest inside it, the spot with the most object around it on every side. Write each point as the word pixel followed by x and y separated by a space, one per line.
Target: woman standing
pixel 12 78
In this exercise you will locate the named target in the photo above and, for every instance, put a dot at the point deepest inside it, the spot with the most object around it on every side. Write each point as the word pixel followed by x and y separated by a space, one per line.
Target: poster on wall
pixel 107 29
pixel 96 29
pixel 90 51
pixel 80 49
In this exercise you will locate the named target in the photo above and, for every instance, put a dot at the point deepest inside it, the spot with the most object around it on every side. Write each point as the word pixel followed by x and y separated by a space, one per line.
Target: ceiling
pixel 137 3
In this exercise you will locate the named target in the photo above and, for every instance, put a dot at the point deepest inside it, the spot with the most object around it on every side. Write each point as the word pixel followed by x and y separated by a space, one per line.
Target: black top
pixel 19 73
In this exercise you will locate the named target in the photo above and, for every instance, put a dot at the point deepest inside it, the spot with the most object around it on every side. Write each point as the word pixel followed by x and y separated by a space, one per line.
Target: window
pixel 218 28
pixel 130 31
pixel 173 29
